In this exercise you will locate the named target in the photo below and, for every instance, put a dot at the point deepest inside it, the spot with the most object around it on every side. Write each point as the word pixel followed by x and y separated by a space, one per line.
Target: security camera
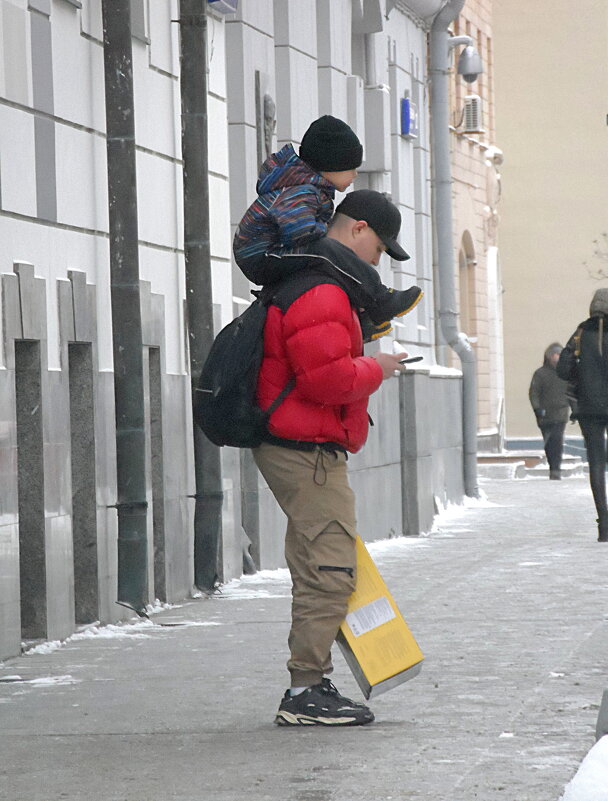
pixel 470 65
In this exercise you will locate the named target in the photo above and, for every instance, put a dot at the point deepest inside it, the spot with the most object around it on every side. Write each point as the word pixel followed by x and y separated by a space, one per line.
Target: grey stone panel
pixel 420 497
pixel 56 428
pixel 32 302
pixel 170 460
pixel 60 577
pixel 232 530
pixel 250 506
pixel 84 502
pixel 42 59
pixel 378 501
pixel 93 450
pixel 157 473
pixel 149 497
pixel 107 516
pixel 14 53
pixel 43 100
pixel 177 475
pixel 43 6
pixel 67 332
pixel 145 302
pixel 46 174
pixel 179 552
pixel 382 446
pixel 83 331
pixel 57 502
pixel 10 614
pixel 32 536
pixel 431 446
pixel 273 525
pixel 11 316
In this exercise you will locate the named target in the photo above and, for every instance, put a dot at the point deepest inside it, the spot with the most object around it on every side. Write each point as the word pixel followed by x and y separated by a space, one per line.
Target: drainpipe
pixel 127 338
pixel 442 200
pixel 199 299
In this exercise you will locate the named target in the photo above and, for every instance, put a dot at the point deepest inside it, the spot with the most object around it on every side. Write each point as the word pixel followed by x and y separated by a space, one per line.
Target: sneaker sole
pixel 415 303
pixel 290 719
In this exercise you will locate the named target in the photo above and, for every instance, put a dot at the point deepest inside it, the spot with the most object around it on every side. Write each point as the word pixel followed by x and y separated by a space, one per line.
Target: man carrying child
pixel 313 340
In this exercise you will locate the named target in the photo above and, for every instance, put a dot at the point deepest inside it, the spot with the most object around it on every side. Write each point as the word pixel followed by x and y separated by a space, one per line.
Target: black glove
pixel 540 415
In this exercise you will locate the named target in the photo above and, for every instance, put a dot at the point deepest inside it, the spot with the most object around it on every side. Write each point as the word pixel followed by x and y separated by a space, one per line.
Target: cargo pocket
pixel 332 559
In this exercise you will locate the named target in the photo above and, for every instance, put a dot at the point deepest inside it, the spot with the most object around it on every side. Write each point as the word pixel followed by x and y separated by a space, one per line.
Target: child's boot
pixel 370 330
pixel 393 303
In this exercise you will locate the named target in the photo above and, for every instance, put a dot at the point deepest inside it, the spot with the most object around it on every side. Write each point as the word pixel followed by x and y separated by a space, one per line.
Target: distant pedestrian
pixel 550 404
pixel 584 363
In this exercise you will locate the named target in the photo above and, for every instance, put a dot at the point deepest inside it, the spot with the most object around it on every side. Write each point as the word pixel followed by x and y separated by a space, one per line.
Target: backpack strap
pixel 281 396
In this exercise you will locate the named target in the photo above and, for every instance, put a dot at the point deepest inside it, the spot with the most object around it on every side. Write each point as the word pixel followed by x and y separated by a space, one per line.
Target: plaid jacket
pixel 293 207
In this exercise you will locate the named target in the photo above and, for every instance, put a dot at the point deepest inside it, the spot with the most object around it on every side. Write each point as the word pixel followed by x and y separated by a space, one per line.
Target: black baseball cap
pixel 380 214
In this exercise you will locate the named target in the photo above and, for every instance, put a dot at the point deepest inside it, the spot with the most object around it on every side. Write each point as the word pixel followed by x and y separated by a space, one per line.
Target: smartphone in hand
pixel 411 359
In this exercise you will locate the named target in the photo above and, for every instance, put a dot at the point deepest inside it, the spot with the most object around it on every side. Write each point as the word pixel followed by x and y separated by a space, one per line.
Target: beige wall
pixel 475 231
pixel 551 85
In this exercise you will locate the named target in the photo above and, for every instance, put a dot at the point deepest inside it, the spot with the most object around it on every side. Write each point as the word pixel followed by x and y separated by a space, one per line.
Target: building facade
pixel 554 236
pixel 273 67
pixel 476 168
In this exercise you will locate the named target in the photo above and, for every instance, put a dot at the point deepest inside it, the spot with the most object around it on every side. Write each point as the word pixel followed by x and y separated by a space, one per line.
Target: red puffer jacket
pixel 318 340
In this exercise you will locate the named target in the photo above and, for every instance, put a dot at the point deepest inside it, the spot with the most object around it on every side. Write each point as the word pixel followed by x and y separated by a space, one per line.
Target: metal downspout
pixel 127 338
pixel 199 299
pixel 442 197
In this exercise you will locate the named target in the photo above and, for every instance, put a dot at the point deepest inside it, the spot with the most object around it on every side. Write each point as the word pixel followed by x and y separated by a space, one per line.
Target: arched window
pixel 466 282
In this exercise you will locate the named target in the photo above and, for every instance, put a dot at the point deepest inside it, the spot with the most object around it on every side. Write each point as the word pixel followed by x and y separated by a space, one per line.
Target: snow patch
pixel 250 587
pixel 591 780
pixel 52 681
pixel 395 544
pixel 110 631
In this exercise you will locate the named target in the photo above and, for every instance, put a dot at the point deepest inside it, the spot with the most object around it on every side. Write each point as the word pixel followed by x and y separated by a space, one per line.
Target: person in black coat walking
pixel 550 403
pixel 584 363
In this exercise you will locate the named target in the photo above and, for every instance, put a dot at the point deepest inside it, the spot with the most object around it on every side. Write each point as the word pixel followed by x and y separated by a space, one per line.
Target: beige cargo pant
pixel 312 489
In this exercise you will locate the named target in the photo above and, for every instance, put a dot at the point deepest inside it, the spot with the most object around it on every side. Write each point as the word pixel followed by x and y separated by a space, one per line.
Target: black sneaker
pixel 394 303
pixel 322 705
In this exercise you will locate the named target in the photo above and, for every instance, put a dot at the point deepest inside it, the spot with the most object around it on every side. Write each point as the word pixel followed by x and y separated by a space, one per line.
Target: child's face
pixel 341 179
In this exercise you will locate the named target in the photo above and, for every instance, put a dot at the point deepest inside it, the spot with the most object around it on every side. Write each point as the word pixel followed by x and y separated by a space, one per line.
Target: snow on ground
pixel 249 587
pixel 591 780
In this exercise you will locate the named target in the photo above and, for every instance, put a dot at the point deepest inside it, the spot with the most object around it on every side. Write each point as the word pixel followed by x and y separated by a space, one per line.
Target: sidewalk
pixel 507 599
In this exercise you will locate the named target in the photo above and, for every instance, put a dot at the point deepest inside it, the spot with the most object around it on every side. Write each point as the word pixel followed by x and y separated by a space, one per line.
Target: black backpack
pixel 225 406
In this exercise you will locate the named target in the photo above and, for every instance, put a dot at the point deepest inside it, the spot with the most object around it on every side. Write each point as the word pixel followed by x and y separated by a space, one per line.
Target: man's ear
pixel 359 226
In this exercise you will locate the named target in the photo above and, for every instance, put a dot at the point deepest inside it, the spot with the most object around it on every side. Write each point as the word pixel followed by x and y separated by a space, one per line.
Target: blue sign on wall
pixel 224 6
pixel 409 118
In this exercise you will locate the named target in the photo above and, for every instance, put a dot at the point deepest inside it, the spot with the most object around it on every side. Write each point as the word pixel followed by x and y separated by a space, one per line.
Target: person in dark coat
pixel 550 404
pixel 584 363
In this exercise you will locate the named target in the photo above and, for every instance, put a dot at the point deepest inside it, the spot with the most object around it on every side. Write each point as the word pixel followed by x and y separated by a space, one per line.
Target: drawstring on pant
pixel 320 467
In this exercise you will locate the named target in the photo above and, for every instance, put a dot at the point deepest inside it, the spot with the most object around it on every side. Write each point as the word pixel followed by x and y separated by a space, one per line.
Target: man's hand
pixel 389 362
pixel 540 414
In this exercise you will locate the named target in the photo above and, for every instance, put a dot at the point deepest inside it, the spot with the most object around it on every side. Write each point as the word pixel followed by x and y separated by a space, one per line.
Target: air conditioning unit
pixel 473 115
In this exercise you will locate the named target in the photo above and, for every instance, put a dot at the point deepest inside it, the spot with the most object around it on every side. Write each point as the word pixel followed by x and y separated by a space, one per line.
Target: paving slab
pixel 507 598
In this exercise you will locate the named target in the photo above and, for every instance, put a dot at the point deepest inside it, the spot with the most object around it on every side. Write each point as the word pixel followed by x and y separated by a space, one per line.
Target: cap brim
pixel 394 250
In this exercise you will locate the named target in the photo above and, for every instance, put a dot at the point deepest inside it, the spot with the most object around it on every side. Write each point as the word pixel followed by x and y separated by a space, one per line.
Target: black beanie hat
pixel 330 145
